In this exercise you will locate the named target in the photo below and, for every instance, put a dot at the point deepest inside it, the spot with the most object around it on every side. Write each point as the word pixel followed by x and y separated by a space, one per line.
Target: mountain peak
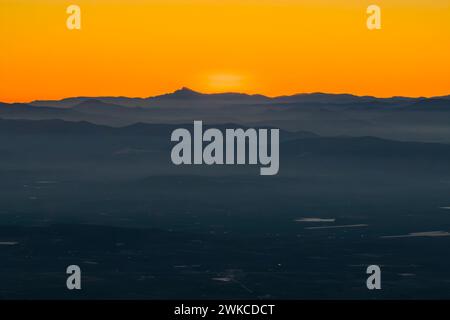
pixel 186 92
pixel 183 93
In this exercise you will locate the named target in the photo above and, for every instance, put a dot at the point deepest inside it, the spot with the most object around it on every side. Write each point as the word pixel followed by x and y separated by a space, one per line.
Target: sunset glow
pixel 273 47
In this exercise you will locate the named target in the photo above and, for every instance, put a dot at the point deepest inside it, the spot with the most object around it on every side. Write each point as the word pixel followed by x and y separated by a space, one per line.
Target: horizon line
pixel 185 88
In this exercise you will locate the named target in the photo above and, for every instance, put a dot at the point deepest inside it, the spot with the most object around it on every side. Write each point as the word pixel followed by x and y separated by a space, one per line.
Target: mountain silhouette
pixel 188 94
pixel 399 118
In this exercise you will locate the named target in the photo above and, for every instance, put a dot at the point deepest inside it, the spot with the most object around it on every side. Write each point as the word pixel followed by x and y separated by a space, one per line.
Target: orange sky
pixel 274 47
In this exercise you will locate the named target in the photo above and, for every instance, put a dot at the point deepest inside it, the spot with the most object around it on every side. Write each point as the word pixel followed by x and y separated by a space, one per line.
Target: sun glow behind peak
pixel 222 82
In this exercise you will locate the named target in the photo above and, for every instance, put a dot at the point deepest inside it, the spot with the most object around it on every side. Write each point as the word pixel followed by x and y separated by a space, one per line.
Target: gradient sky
pixel 141 48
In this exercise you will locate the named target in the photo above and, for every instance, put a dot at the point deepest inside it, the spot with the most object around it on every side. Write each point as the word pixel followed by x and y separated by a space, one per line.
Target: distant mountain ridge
pixel 61 127
pixel 188 94
pixel 397 118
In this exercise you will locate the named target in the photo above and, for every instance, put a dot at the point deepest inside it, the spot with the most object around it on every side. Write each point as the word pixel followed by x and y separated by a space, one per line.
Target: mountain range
pixel 187 95
pixel 400 118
